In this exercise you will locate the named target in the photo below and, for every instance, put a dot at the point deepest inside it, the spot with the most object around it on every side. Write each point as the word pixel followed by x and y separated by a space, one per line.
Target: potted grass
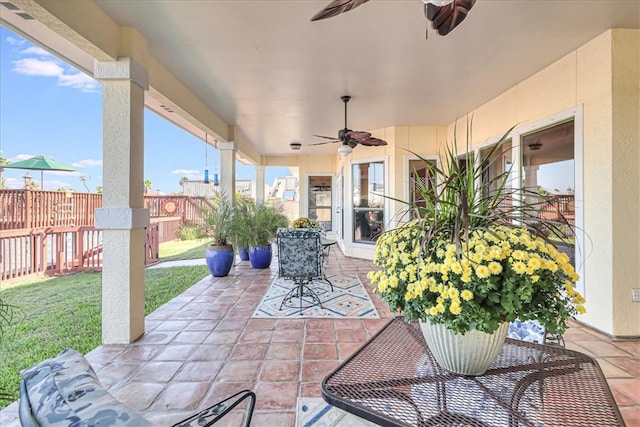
pixel 255 226
pixel 219 253
pixel 472 260
pixel 239 236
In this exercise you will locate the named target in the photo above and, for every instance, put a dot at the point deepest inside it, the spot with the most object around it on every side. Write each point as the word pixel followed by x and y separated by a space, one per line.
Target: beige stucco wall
pixel 625 144
pixel 603 77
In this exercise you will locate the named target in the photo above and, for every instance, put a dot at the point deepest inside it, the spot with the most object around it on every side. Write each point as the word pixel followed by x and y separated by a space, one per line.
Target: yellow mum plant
pixel 504 273
pixel 304 222
pixel 472 258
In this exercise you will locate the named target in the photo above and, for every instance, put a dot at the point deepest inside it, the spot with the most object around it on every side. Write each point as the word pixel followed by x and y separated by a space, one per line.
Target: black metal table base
pixel 300 291
pixel 326 279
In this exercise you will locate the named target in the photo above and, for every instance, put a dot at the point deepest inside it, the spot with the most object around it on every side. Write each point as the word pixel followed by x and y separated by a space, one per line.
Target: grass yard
pixel 183 249
pixel 53 314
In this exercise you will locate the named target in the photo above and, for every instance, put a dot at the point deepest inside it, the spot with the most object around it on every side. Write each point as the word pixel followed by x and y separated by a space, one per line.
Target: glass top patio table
pixel 393 380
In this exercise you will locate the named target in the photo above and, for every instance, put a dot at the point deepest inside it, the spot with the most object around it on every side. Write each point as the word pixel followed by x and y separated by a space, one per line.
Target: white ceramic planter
pixel 468 354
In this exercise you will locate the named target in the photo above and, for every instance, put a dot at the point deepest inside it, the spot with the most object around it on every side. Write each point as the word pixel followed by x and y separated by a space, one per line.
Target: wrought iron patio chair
pixel 300 259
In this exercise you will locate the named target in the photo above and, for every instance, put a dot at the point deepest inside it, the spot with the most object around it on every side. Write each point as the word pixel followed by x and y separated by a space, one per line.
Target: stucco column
pixel 228 168
pixel 260 184
pixel 531 182
pixel 122 218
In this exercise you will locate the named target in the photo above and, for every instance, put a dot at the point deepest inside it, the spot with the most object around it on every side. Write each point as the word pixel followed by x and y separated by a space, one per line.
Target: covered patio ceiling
pixel 265 68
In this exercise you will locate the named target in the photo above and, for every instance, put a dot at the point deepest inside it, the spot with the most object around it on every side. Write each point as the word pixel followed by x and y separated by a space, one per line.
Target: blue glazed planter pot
pixel 243 253
pixel 260 256
pixel 219 260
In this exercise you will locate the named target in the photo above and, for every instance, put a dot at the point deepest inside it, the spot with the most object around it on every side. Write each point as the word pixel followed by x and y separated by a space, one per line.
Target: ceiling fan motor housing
pixel 342 134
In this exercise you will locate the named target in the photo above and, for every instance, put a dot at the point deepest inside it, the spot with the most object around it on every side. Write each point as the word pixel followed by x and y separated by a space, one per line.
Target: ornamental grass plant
pixel 476 254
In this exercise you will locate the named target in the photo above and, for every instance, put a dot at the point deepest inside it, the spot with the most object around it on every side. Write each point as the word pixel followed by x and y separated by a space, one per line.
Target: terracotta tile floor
pixel 203 346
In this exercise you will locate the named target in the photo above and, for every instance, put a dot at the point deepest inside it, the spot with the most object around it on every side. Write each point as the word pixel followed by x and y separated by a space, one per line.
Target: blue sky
pixel 49 108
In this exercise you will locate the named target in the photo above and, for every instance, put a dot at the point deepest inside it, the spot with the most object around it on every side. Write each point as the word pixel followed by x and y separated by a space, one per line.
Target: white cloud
pixel 66 174
pixel 185 171
pixel 35 50
pixel 87 163
pixel 37 67
pixel 21 157
pixel 78 81
pixel 13 183
pixel 14 41
pixel 51 68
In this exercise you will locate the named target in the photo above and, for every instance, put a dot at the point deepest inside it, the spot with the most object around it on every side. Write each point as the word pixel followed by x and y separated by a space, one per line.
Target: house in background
pixel 258 74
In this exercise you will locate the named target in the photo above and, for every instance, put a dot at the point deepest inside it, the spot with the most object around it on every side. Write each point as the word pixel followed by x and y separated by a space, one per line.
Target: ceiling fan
pixel 350 138
pixel 445 15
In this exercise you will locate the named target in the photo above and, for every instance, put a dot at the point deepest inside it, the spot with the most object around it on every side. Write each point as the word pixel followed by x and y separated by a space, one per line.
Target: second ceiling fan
pixel 445 15
pixel 350 137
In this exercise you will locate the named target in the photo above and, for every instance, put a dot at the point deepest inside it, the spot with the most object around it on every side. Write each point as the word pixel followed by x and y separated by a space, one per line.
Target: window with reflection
pixel 320 200
pixel 496 162
pixel 421 182
pixel 368 201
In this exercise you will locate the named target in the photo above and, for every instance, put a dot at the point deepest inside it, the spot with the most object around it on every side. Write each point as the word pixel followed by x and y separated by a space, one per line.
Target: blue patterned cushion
pixel 299 253
pixel 529 330
pixel 65 391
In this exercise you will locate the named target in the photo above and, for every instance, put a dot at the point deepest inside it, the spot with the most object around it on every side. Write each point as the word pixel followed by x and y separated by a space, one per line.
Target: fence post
pixel 27 205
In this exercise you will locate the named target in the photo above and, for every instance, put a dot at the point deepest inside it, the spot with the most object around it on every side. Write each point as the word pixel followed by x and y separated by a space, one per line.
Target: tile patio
pixel 203 346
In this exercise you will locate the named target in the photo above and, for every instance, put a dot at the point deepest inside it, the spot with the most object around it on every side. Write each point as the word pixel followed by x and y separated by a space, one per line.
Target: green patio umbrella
pixel 41 163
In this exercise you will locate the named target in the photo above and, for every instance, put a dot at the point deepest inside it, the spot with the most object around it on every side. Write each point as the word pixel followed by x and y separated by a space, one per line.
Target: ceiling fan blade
pixel 358 135
pixel 333 138
pixel 326 142
pixel 446 18
pixel 336 7
pixel 373 142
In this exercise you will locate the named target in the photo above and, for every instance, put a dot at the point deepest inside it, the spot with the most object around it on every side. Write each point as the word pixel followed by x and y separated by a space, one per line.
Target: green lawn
pixel 65 311
pixel 183 249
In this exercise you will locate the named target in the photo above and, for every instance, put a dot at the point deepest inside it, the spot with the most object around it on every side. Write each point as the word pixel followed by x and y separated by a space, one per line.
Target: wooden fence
pixel 560 208
pixel 38 208
pixel 52 232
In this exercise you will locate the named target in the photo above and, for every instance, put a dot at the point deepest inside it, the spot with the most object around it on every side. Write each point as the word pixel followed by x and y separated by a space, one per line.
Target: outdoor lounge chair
pixel 65 391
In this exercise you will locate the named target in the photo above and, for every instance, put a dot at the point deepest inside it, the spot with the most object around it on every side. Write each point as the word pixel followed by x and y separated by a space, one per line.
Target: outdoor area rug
pixel 349 299
pixel 315 412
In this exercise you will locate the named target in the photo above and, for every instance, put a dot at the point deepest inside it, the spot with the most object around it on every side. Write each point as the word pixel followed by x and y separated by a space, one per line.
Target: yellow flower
pixel 495 268
pixel 455 309
pixel 534 262
pixel 482 271
pixel 551 266
pixel 519 255
pixel 519 267
pixel 393 282
pixel 467 295
pixel 496 252
pixel 456 268
pixel 453 292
